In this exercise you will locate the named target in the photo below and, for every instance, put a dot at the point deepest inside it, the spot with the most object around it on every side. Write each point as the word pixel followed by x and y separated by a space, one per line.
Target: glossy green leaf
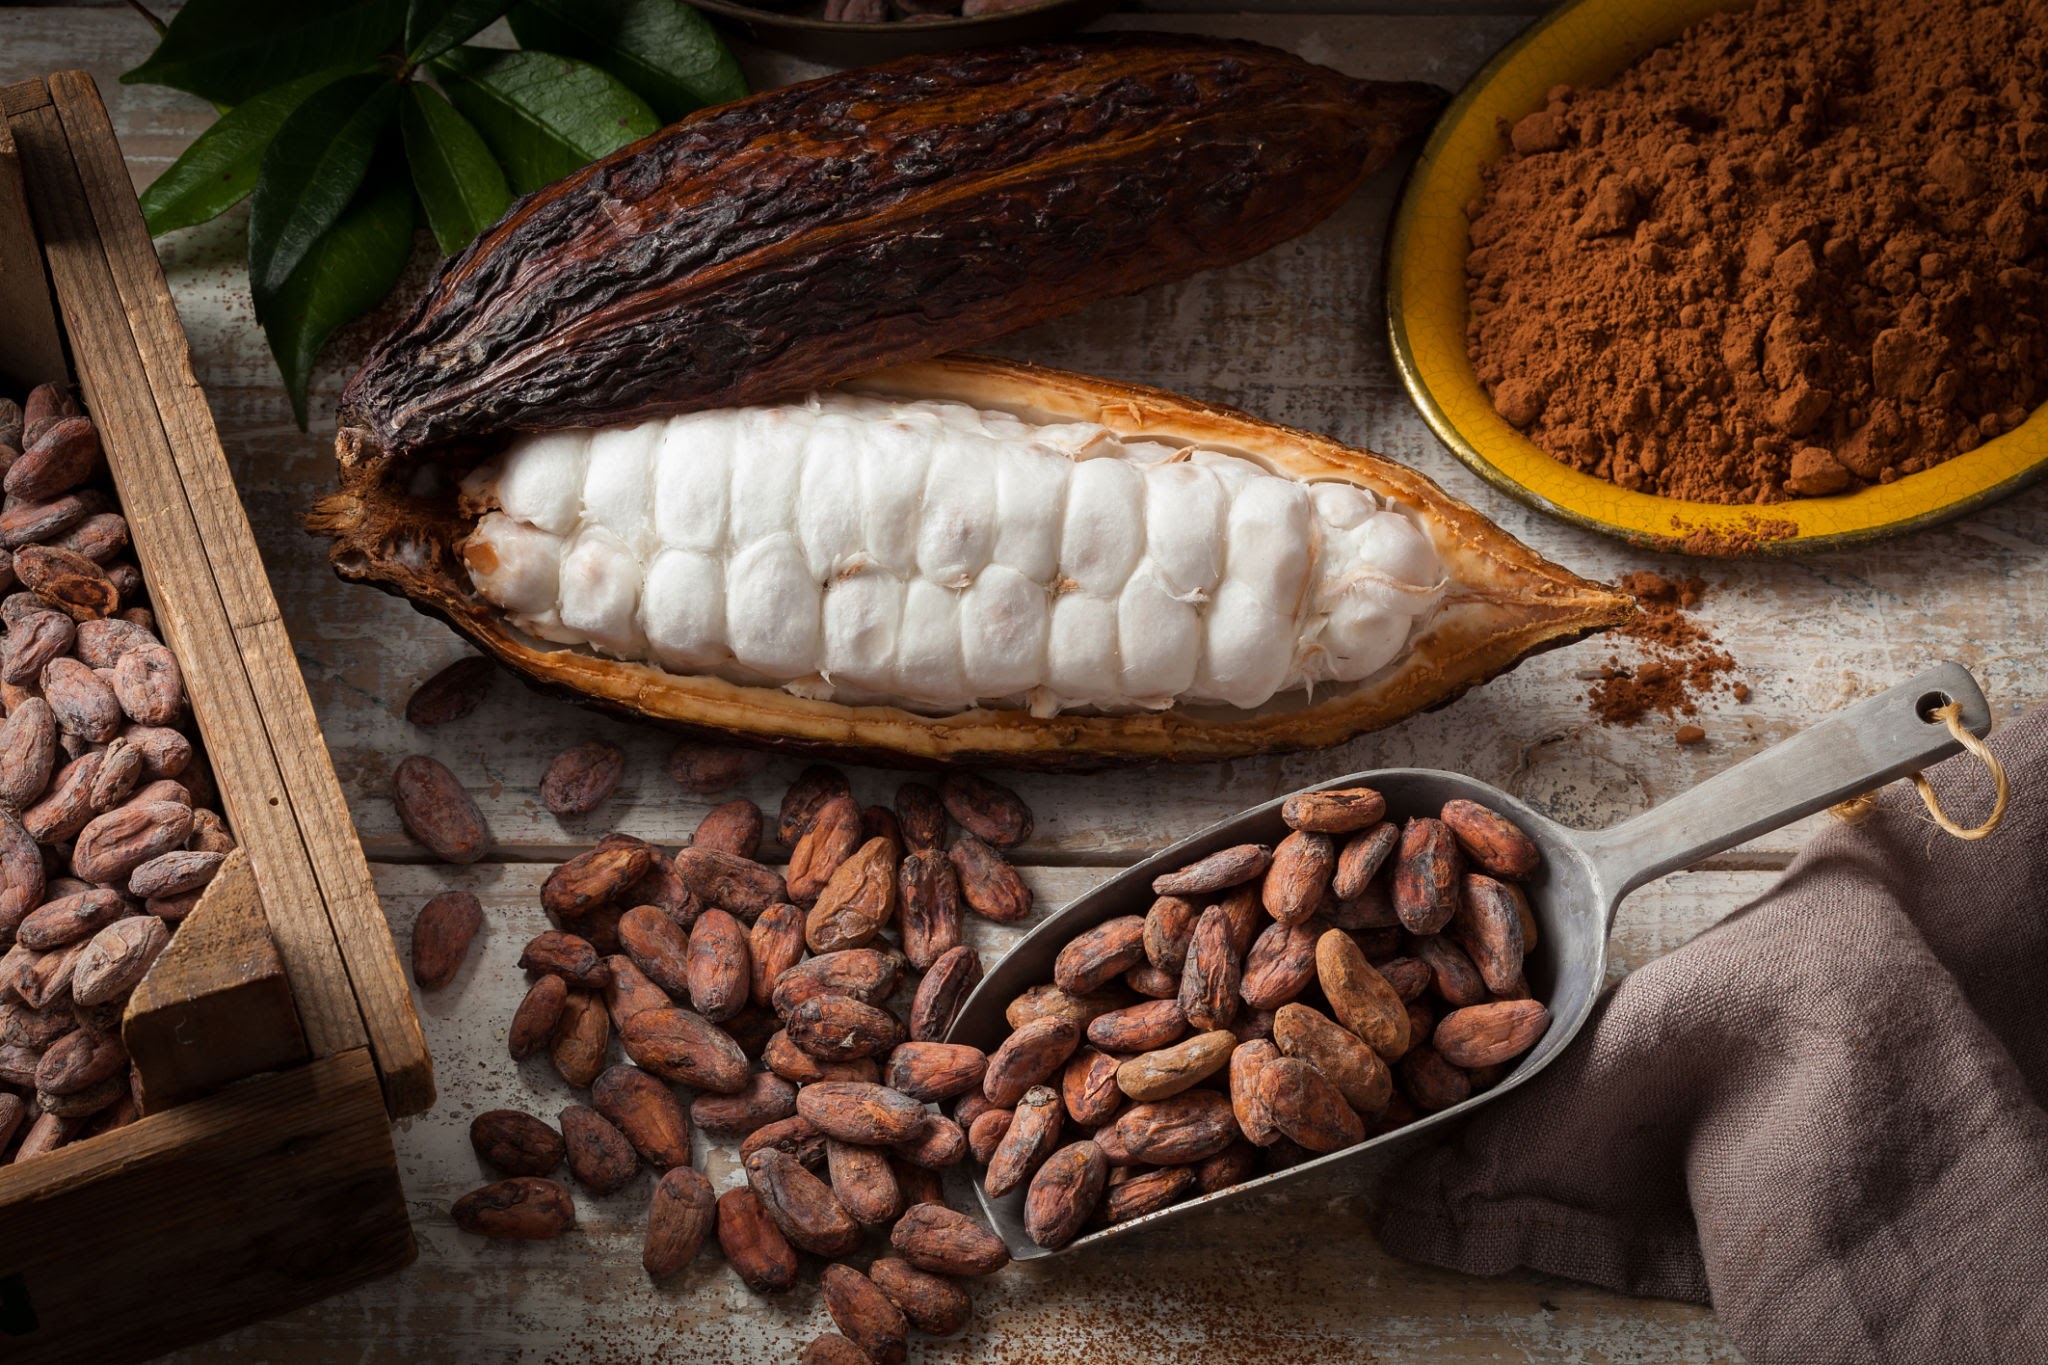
pixel 434 26
pixel 544 115
pixel 666 51
pixel 219 169
pixel 344 274
pixel 229 50
pixel 458 179
pixel 311 171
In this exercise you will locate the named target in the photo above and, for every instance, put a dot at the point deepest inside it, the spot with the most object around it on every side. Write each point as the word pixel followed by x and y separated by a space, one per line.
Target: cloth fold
pixel 1824 1115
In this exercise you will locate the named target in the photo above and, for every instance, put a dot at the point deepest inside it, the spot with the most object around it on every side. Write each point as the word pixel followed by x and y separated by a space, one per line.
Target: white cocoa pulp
pixel 935 556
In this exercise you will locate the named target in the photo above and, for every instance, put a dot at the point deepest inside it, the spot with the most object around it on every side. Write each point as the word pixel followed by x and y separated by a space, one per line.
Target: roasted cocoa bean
pixel 774 945
pixel 1490 1034
pixel 1360 860
pixel 582 777
pixel 935 1238
pixel 858 900
pixel 524 1208
pixel 1492 840
pixel 990 886
pixel 441 935
pixel 1210 977
pixel 921 815
pixel 934 1306
pixel 174 873
pixel 644 1109
pixel 733 828
pixel 754 1247
pixel 928 909
pixel 868 1115
pixel 1334 812
pixel 987 810
pixel 798 1067
pixel 814 788
pixel 514 1143
pixel 437 812
pixel 539 1014
pixel 1220 870
pixel 864 1182
pixel 802 1206
pixel 680 1046
pixel 679 1219
pixel 1183 1128
pixel 1362 1000
pixel 1298 878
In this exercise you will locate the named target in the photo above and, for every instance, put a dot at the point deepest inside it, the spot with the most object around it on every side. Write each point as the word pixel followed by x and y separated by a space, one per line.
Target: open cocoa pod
pixel 670 438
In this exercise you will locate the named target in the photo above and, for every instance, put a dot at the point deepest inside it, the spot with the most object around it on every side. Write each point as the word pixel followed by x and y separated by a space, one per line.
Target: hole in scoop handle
pixel 1858 748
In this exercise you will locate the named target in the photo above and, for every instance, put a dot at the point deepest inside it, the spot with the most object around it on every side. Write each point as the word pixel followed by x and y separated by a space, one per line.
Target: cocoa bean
pixel 67 580
pixel 149 685
pixel 516 1143
pixel 566 955
pixel 83 704
pixel 599 1156
pixel 121 767
pixel 113 845
pixel 437 812
pixel 1065 1193
pixel 28 752
pixel 1490 1034
pixel 18 1064
pixel 1148 1192
pixel 165 752
pixel 794 1135
pixel 985 1135
pixel 952 978
pixel 802 1206
pixel 1169 927
pixel 1097 956
pixel 934 1306
pixel 1030 1137
pixel 798 1067
pixel 524 1208
pixel 1343 1059
pixel 767 1098
pixel 1333 812
pixel 865 1314
pixel 1430 1081
pixel 534 1022
pixel 86 1103
pixel 1148 981
pixel 1455 978
pixel 80 1060
pixel 868 975
pixel 661 886
pixel 1488 926
pixel 441 935
pixel 32 642
pixel 63 456
pixel 1362 1000
pixel 679 1218
pixel 1138 1028
pixel 1298 878
pixel 1306 1107
pixel 596 878
pixel 1233 1165
pixel 100 644
pixel 858 900
pixel 935 1238
pixel 171 874
pixel 1252 1024
pixel 1280 966
pixel 25 523
pixel 1426 873
pixel 66 806
pixel 46 1133
pixel 733 828
pixel 659 949
pixel 774 945
pixel 829 1348
pixel 830 836
pixel 732 883
pixel 814 787
pixel 69 918
pixel 938 1144
pixel 1361 858
pixel 22 879
pixel 1220 870
pixel 99 538
pixel 680 1046
pixel 1027 1057
pixel 1210 978
pixel 1170 1070
pixel 868 1115
pixel 1049 1001
pixel 838 1028
pixel 921 814
pixel 864 1182
pixel 1492 840
pixel 647 1112
pixel 582 777
pixel 1088 1087
pixel 934 1071
pixel 1183 1128
pixel 754 1247
pixel 116 959
pixel 582 1034
pixel 989 885
pixel 718 970
pixel 928 907
pixel 1409 976
pixel 707 768
pixel 987 810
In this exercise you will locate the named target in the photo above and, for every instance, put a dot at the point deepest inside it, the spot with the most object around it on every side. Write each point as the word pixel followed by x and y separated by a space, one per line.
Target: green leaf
pixel 667 52
pixel 219 169
pixel 544 115
pixel 434 26
pixel 229 50
pixel 312 169
pixel 458 180
pixel 344 274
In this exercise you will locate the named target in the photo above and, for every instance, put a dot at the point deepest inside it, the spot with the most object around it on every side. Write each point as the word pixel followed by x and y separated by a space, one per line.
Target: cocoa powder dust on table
pixel 1674 665
pixel 1797 250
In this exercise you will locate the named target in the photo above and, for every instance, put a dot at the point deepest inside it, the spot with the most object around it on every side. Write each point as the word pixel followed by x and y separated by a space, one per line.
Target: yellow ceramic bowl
pixel 1586 43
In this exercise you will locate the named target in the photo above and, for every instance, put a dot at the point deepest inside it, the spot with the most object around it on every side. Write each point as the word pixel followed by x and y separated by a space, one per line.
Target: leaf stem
pixel 159 25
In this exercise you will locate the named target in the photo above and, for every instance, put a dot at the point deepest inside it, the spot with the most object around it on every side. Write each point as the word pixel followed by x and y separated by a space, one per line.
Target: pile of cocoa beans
pixel 1271 1005
pixel 803 1010
pixel 106 838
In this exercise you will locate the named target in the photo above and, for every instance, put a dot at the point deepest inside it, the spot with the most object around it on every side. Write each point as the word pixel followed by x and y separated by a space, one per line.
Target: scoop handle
pixel 1858 748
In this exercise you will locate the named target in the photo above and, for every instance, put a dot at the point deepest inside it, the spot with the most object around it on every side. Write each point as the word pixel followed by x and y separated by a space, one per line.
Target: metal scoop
pixel 1582 881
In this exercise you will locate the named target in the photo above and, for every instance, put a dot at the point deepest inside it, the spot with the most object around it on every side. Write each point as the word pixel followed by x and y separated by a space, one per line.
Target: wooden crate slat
pixel 29 344
pixel 313 790
pixel 277 1192
pixel 189 608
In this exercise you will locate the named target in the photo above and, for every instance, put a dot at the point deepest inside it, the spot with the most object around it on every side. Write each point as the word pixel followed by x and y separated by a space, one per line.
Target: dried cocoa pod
pixel 754 1247
pixel 100 644
pixel 1218 872
pixel 1426 873
pixel 1170 1070
pixel 934 1305
pixel 1233 1165
pixel 928 904
pixel 67 580
pixel 113 845
pixel 515 1143
pixel 829 839
pixel 1492 840
pixel 441 935
pixel 839 1028
pixel 1138 1028
pixel 1097 956
pixel 935 1238
pixel 1306 1106
pixel 63 456
pixel 1088 1087
pixel 596 878
pixel 1343 1059
pixel 1148 1192
pixel 1049 1001
pixel 864 1182
pixel 934 1071
pixel 733 828
pixel 987 810
pixel 1360 860
pixel 1183 1128
pixel 1027 1057
pixel 83 703
pixel 1455 978
pixel 1488 926
pixel 28 752
pixel 858 900
pixel 80 1060
pixel 582 1033
pixel 599 1156
pixel 865 1114
pixel 679 1219
pixel 582 777
pixel 943 990
pixel 1362 1000
pixel 767 1098
pixel 539 1014
pixel 830 1348
pixel 921 814
pixel 985 1135
pixel 731 883
pixel 1280 966
pixel 1210 978
pixel 524 1208
pixel 437 812
pixel 1334 812
pixel 868 975
pixel 680 1046
pixel 989 885
pixel 149 685
pixel 1298 878
pixel 573 958
pixel 1490 1034
pixel 802 1206
pixel 32 642
pixel 647 1112
pixel 793 1135
pixel 865 1314
pixel 938 1144
pixel 1033 1133
pixel 116 959
pixel 706 768
pixel 1430 1081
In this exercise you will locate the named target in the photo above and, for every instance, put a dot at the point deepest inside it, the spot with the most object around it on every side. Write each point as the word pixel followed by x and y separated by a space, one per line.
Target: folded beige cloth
pixel 1824 1115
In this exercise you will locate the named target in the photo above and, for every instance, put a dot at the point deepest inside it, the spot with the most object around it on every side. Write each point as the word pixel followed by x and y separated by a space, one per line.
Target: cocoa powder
pixel 1795 251
pixel 1675 662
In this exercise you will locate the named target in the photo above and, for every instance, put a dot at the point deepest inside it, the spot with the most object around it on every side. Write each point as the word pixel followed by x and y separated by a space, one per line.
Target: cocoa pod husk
pixel 1210 977
pixel 732 883
pixel 599 1156
pixel 1096 956
pixel 1490 1034
pixel 1344 1059
pixel 1180 1129
pixel 452 693
pixel 1362 1000
pixel 865 1314
pixel 991 887
pixel 1280 966
pixel 1360 860
pixel 802 1206
pixel 928 907
pixel 1031 1136
pixel 1492 840
pixel 935 1238
pixel 1029 1056
pixel 753 1245
pixel 767 1098
pixel 1170 1070
pixel 861 1113
pixel 1341 811
pixel 516 1143
pixel 858 900
pixel 1138 1028
pixel 680 1216
pixel 1148 1192
pixel 647 1112
pixel 539 1013
pixel 921 815
pixel 1219 871
pixel 863 1181
pixel 582 1033
pixel 524 1208
pixel 987 810
pixel 732 828
pixel 1298 878
pixel 1426 873
pixel 581 778
pixel 441 936
pixel 437 812
pixel 934 1305
pixel 681 1046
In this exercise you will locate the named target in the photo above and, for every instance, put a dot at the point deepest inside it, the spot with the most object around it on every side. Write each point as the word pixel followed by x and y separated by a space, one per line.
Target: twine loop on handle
pixel 1857 809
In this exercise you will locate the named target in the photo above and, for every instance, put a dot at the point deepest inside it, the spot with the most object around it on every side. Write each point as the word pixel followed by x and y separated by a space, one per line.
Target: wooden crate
pixel 276 1038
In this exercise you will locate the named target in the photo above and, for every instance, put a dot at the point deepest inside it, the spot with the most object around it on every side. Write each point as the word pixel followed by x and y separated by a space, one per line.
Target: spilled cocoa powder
pixel 1676 664
pixel 1795 251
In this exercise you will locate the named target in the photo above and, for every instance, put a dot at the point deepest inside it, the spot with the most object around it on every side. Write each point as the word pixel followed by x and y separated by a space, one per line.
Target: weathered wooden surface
pixel 1295 335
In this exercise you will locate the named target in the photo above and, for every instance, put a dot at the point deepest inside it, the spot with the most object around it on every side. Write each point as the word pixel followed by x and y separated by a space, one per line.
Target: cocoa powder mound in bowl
pixel 1796 251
